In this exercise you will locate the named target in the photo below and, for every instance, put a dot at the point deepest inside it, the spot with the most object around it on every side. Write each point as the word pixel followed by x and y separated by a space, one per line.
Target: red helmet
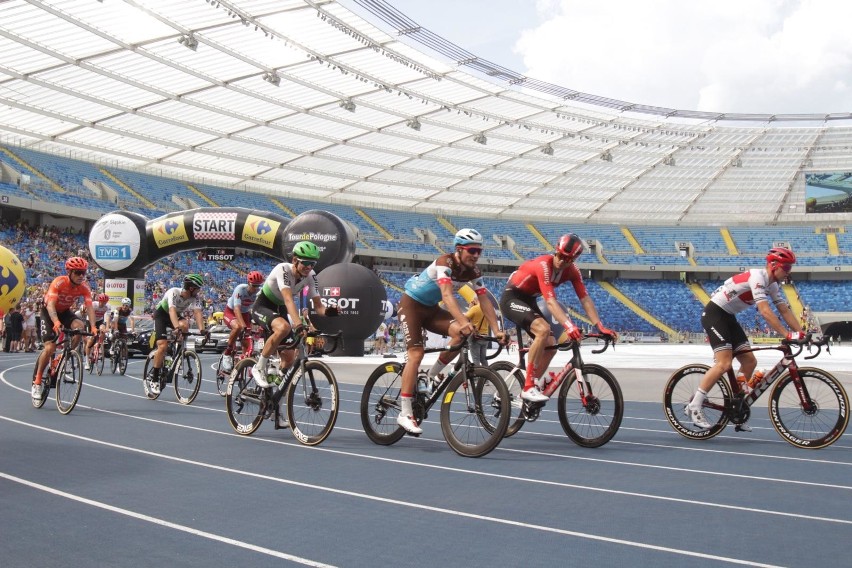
pixel 256 278
pixel 570 246
pixel 76 263
pixel 102 298
pixel 781 255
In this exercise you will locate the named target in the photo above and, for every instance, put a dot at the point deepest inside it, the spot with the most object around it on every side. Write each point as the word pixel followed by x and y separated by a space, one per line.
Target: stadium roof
pixel 307 99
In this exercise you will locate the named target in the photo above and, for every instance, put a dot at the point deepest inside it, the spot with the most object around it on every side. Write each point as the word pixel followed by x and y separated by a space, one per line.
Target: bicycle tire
pixel 475 412
pixel 380 404
pixel 221 377
pixel 313 401
pixel 69 382
pixel 114 357
pixel 147 379
pixel 242 399
pixel 594 423
pixel 45 382
pixel 187 377
pixel 679 390
pixel 815 429
pixel 122 358
pixel 514 379
pixel 99 359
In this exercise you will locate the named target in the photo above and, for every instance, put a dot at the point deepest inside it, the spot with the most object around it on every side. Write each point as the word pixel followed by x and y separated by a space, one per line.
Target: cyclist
pixel 237 314
pixel 120 318
pixel 539 277
pixel 102 317
pixel 727 338
pixel 419 311
pixel 57 313
pixel 168 315
pixel 275 310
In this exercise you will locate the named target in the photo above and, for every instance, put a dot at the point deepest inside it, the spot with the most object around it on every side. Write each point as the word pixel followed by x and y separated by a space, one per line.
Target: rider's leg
pixel 280 328
pixel 452 329
pixel 748 363
pixel 538 358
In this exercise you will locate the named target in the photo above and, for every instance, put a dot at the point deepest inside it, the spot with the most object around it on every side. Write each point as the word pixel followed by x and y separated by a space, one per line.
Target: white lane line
pixel 164 523
pixel 385 500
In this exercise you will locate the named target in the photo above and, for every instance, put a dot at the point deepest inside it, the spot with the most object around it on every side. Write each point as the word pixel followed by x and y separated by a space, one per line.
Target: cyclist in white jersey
pixel 275 310
pixel 169 315
pixel 102 318
pixel 237 314
pixel 751 288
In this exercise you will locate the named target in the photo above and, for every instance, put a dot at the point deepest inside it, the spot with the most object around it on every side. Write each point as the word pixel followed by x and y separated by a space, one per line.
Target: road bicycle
pixel 182 368
pixel 96 356
pixel 118 353
pixel 590 404
pixel 248 344
pixel 64 373
pixel 808 407
pixel 474 403
pixel 308 388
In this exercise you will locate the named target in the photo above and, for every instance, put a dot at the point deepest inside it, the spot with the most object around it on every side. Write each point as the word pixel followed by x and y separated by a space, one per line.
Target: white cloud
pixel 761 56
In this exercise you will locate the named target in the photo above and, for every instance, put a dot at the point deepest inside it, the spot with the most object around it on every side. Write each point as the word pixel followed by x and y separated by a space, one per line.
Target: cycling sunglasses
pixel 78 272
pixel 473 250
pixel 308 263
pixel 785 267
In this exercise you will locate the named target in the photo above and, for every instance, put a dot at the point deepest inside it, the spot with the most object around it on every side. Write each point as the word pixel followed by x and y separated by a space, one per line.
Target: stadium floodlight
pixel 547 150
pixel 480 139
pixel 413 124
pixel 189 41
pixel 606 156
pixel 272 77
pixel 348 105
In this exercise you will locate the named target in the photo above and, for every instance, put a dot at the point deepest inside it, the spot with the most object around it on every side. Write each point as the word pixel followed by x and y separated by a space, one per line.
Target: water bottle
pixel 168 363
pixel 756 378
pixel 273 371
pixel 423 384
pixel 553 380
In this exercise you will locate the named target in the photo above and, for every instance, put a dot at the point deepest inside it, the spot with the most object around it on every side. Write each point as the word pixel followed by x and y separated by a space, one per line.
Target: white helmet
pixel 126 302
pixel 467 237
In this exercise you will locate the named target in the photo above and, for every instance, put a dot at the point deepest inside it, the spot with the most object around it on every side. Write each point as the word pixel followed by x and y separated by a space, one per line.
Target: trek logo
pixel 169 232
pixel 331 291
pixel 260 231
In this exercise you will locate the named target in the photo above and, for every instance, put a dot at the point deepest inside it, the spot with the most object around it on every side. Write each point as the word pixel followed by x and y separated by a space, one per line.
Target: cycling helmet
pixel 570 246
pixel 306 250
pixel 467 237
pixel 102 299
pixel 781 255
pixel 126 302
pixel 193 280
pixel 76 263
pixel 255 278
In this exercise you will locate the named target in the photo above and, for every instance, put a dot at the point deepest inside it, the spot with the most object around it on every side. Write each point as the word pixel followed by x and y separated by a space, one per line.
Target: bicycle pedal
pixel 412 434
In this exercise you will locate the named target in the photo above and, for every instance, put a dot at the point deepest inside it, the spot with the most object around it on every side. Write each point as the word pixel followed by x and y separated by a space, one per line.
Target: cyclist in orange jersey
pixel 57 312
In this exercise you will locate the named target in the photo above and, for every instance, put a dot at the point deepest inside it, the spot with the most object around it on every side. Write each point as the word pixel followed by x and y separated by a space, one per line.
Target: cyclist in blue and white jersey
pixel 419 310
pixel 120 319
pixel 275 309
pixel 237 314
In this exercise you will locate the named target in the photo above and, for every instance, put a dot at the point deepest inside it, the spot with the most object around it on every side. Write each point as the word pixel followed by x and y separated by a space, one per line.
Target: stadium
pixel 295 105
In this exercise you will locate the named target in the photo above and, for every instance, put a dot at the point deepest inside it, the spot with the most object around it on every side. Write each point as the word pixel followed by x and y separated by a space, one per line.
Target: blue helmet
pixel 467 237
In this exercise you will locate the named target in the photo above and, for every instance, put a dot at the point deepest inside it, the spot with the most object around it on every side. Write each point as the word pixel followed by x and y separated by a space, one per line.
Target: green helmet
pixel 193 280
pixel 306 250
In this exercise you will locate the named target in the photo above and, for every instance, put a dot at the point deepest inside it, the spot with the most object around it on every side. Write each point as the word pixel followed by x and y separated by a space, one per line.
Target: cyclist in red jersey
pixel 539 277
pixel 727 337
pixel 57 313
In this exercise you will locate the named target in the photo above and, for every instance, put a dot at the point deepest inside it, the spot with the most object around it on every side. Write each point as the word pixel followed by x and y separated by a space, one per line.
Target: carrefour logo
pixel 260 231
pixel 169 232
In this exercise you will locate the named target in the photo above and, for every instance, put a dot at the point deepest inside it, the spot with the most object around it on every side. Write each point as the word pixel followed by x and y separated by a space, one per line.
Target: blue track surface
pixel 125 481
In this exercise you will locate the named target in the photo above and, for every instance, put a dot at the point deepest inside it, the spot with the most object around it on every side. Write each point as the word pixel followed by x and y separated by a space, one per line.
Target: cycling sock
pixel 262 362
pixel 699 398
pixel 156 373
pixel 436 368
pixel 405 405
pixel 532 374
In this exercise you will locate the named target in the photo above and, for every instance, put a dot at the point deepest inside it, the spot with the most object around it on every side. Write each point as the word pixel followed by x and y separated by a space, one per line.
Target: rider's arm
pixel 174 316
pixel 90 311
pixel 490 316
pixel 291 307
pixel 449 298
pixel 773 321
pixel 199 319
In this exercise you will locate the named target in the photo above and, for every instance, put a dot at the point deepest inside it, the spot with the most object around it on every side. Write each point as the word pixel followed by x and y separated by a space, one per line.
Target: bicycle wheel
pixel 187 377
pixel 475 412
pixel 591 420
pixel 148 378
pixel 45 384
pixel 514 379
pixel 221 377
pixel 69 382
pixel 815 427
pixel 122 358
pixel 313 401
pixel 114 357
pixel 242 399
pixel 99 359
pixel 680 389
pixel 380 404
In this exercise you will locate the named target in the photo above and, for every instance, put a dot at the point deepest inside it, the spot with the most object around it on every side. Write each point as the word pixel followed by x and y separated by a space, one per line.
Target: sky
pixel 744 56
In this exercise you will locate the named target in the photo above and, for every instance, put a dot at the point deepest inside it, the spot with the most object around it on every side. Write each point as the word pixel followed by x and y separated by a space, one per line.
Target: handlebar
pixel 571 344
